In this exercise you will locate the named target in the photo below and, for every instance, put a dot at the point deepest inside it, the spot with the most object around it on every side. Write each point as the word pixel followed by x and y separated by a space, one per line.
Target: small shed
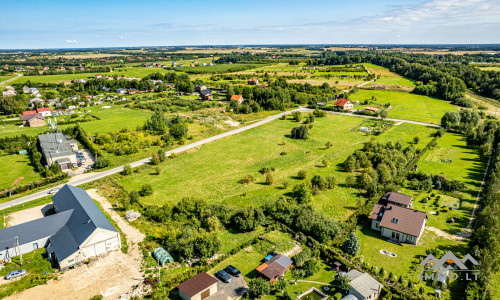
pixel 162 256
pixel 268 257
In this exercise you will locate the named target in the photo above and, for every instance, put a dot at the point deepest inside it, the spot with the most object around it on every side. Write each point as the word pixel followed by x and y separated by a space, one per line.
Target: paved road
pixel 85 178
pixel 9 80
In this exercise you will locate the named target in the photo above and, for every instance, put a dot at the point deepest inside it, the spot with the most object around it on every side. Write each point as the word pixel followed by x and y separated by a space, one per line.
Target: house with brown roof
pixel 32 119
pixel 396 199
pixel 401 224
pixel 237 98
pixel 253 81
pixel 198 287
pixel 275 267
pixel 344 103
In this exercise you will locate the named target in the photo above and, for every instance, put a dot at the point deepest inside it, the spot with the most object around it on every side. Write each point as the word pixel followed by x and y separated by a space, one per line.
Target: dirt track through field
pixel 111 276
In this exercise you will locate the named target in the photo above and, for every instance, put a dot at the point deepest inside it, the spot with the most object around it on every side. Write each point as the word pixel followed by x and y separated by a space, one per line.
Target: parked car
pixel 233 271
pixel 14 274
pixel 75 165
pixel 53 191
pixel 224 276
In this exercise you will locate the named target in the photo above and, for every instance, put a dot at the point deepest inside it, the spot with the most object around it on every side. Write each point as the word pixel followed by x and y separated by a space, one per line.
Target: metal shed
pixel 162 256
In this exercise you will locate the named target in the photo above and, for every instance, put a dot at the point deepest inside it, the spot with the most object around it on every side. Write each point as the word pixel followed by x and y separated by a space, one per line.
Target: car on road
pixel 224 276
pixel 53 191
pixel 14 274
pixel 233 271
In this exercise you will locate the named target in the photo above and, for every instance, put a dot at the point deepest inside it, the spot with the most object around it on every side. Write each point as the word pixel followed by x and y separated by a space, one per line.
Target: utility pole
pixel 266 164
pixel 19 250
pixel 243 186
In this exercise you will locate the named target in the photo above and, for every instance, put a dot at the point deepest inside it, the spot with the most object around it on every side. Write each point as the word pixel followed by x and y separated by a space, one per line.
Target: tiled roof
pixel 342 101
pixel 398 198
pixel 402 219
pixel 197 284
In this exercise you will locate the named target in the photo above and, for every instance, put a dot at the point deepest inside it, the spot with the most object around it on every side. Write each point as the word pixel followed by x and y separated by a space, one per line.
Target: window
pixel 35 246
pixel 376 225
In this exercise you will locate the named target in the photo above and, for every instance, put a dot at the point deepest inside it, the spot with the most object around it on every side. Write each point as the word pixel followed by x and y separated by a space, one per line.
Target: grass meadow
pixel 388 77
pixel 214 172
pixel 16 169
pixel 406 105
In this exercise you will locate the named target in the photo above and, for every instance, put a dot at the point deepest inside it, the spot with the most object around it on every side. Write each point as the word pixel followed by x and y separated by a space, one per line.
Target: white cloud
pixel 71 41
pixel 98 36
pixel 121 37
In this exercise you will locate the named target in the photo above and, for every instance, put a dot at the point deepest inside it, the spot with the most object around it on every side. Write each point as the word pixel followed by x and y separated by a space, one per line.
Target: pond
pixel 312 294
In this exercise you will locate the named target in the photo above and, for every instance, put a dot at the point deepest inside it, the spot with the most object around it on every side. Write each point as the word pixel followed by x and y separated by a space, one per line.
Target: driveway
pixel 232 290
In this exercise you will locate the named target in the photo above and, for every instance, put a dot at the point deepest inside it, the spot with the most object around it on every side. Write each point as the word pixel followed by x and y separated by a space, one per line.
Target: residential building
pixel 121 91
pixel 28 116
pixel 44 111
pixel 237 98
pixel 56 149
pixel 76 232
pixel 396 199
pixel 36 121
pixel 198 88
pixel 275 267
pixel 398 223
pixel 253 81
pixel 206 94
pixel 344 103
pixel 198 287
pixel 363 286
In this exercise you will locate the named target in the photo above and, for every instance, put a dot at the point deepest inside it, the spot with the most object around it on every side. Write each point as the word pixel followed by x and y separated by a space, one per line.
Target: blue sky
pixel 83 24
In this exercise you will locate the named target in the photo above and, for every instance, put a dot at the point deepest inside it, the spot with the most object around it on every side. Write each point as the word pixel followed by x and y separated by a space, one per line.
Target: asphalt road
pixel 89 177
pixel 9 80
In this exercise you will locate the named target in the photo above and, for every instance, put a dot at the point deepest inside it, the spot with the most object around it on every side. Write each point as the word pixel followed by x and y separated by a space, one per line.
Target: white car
pixel 53 191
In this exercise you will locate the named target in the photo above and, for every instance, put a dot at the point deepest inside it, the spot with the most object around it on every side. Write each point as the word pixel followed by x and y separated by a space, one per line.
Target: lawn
pixel 406 105
pixel 490 69
pixel 115 118
pixel 16 169
pixel 214 172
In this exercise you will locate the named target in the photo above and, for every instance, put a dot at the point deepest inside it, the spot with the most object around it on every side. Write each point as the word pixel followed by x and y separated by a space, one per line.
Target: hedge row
pixel 81 136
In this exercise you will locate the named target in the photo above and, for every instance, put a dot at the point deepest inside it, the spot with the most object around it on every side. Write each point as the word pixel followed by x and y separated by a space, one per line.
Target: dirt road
pixel 111 276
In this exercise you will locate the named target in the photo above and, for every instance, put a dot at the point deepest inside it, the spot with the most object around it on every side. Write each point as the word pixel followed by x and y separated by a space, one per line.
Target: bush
pixel 146 190
pixel 269 178
pixel 302 193
pixel 100 163
pixel 134 197
pixel 127 170
pixel 301 132
pixel 464 102
pixel 302 174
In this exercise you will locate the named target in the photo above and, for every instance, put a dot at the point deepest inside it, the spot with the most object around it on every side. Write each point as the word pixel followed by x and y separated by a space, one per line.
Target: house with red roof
pixel 237 98
pixel 44 111
pixel 346 104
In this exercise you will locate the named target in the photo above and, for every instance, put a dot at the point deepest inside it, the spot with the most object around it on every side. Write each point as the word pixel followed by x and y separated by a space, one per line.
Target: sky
pixel 85 24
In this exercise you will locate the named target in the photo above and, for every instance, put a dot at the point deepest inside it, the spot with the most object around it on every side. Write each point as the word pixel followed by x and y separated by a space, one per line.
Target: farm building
pixel 206 94
pixel 344 103
pixel 198 287
pixel 198 88
pixel 77 232
pixel 56 149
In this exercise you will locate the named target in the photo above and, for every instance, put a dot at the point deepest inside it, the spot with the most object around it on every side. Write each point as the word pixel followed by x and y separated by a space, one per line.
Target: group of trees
pixel 159 124
pixel 13 104
pixel 382 165
pixel 424 182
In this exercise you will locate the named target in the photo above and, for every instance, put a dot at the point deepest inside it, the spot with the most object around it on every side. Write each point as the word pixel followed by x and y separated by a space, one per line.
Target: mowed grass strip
pixel 214 172
pixel 388 77
pixel 406 105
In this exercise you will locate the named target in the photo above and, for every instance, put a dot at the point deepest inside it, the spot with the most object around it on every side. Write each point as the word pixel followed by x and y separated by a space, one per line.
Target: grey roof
pixel 86 217
pixel 62 244
pixel 55 145
pixel 363 283
pixel 350 297
pixel 206 92
pixel 63 160
pixel 33 230
pixel 284 261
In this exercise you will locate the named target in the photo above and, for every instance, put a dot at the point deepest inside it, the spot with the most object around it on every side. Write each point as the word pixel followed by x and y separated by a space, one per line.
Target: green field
pixel 13 167
pixel 114 118
pixel 214 172
pixel 406 106
pixel 490 68
pixel 388 77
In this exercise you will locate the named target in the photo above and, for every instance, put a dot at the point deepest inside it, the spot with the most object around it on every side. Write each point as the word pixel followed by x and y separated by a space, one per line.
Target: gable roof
pixel 398 198
pixel 402 219
pixel 28 117
pixel 33 230
pixel 29 112
pixel 377 212
pixel 342 101
pixel 236 98
pixel 275 266
pixel 206 92
pixel 197 284
pixel 43 109
pixel 364 283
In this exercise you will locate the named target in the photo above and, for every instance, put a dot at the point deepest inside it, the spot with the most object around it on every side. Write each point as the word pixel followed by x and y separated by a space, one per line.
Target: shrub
pixel 100 163
pixel 302 174
pixel 301 132
pixel 127 170
pixel 326 163
pixel 302 193
pixel 134 197
pixel 146 190
pixel 269 178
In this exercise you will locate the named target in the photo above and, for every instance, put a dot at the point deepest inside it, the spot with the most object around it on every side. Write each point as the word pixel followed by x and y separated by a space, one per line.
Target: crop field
pixel 214 172
pixel 406 105
pixel 16 170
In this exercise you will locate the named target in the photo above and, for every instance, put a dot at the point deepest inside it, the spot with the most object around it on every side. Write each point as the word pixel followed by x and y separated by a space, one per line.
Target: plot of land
pixel 16 170
pixel 388 77
pixel 215 171
pixel 406 106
